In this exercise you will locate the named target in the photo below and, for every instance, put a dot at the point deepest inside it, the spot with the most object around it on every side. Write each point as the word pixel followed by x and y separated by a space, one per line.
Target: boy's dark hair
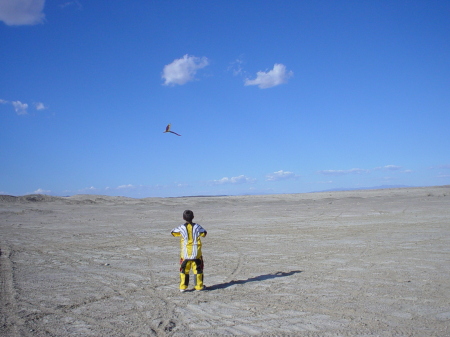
pixel 188 215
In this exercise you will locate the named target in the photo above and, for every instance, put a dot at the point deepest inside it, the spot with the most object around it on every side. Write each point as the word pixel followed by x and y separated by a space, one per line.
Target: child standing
pixel 191 251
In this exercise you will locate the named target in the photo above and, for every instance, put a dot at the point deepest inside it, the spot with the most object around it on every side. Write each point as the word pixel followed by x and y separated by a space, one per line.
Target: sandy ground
pixel 356 263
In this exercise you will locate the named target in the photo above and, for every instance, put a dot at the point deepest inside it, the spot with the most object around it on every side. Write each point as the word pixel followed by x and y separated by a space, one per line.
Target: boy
pixel 191 251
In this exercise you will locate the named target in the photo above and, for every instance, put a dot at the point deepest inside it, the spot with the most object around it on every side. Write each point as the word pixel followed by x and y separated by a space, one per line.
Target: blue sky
pixel 268 96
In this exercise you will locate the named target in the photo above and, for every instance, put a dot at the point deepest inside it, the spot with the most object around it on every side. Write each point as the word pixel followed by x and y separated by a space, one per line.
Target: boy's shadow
pixel 253 279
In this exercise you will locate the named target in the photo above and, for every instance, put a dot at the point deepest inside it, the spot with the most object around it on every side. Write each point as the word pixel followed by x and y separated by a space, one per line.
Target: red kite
pixel 168 130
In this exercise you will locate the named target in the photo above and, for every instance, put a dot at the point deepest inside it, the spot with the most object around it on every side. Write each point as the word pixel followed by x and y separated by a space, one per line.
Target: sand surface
pixel 355 263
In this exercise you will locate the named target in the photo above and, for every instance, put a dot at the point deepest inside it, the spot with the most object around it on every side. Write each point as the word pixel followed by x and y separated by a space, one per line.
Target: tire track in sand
pixel 9 320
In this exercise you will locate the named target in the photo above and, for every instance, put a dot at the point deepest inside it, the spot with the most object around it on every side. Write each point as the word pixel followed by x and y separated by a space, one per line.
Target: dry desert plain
pixel 353 263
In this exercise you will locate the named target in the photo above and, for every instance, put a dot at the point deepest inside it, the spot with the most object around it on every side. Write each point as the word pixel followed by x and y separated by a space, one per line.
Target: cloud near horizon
pixel 342 172
pixel 42 191
pixel 444 166
pixel 359 171
pixel 278 75
pixel 389 168
pixel 443 170
pixel 125 186
pixel 281 175
pixel 23 12
pixel 234 180
pixel 183 70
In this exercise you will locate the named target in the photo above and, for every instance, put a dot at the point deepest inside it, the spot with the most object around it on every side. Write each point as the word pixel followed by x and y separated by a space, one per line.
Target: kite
pixel 168 130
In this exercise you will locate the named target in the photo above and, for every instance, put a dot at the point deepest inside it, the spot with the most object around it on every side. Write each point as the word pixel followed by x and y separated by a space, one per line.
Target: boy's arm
pixel 203 231
pixel 175 232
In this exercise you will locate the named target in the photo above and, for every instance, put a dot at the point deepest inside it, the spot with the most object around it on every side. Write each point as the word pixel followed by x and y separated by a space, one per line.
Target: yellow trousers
pixel 197 267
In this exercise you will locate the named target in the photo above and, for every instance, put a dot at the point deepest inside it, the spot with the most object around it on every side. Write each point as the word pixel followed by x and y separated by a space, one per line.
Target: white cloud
pixel 40 190
pixel 88 190
pixel 325 182
pixel 392 167
pixel 20 108
pixel 236 67
pixel 359 171
pixel 342 172
pixel 75 3
pixel 234 180
pixel 125 186
pixel 443 173
pixel 389 168
pixel 183 70
pixel 445 166
pixel 278 75
pixel 281 175
pixel 40 106
pixel 21 12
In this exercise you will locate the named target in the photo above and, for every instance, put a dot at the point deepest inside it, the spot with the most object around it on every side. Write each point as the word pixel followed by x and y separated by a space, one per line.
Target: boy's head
pixel 188 215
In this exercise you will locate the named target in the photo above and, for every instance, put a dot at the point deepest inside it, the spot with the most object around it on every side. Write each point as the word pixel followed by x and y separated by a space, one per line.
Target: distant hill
pixel 363 188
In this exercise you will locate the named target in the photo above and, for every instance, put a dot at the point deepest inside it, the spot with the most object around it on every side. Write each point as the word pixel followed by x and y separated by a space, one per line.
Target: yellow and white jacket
pixel 191 245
